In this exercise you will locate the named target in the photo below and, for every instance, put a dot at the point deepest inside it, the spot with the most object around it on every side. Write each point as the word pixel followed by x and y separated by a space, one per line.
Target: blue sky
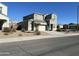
pixel 65 11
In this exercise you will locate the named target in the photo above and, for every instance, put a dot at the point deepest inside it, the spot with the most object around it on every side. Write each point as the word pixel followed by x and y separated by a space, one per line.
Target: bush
pixel 13 30
pixel 6 29
pixel 5 33
pixel 23 30
pixel 38 33
pixel 20 35
pixel 58 28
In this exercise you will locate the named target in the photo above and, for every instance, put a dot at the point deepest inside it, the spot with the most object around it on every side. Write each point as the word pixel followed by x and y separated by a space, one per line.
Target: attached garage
pixel 41 28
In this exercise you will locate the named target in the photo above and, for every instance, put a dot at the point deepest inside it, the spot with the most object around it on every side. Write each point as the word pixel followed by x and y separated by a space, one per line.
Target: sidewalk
pixel 53 35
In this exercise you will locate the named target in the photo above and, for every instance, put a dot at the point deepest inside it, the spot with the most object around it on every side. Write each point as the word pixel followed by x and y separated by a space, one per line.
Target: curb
pixel 7 40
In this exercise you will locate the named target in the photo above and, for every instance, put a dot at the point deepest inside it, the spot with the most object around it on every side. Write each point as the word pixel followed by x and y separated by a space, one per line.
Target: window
pixel 0 10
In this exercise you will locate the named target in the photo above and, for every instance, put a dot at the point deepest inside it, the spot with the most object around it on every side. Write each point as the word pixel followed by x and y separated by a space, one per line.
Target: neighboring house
pixel 4 20
pixel 72 26
pixel 47 22
pixel 61 26
pixel 20 25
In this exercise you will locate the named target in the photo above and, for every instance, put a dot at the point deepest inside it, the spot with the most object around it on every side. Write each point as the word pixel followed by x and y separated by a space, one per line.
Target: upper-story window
pixel 0 10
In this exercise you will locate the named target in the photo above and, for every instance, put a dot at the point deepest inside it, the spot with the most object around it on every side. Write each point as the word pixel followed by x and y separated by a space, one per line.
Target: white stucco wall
pixel 38 18
pixel 6 24
pixel 4 9
pixel 54 21
pixel 29 26
pixel 3 15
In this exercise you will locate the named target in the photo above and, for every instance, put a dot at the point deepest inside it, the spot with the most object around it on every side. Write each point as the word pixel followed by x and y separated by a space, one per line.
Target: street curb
pixel 29 38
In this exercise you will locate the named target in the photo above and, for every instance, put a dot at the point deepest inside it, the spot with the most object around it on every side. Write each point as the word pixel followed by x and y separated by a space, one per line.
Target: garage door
pixel 41 28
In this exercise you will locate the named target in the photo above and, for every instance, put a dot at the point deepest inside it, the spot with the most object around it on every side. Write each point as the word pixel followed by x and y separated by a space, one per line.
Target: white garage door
pixel 41 28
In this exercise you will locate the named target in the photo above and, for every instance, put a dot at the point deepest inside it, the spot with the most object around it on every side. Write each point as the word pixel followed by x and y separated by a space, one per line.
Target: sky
pixel 66 11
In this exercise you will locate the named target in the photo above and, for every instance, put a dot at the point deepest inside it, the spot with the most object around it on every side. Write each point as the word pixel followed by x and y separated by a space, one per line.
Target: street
pixel 62 46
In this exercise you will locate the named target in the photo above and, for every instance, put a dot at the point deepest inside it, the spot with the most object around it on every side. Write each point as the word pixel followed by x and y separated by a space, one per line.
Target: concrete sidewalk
pixel 53 35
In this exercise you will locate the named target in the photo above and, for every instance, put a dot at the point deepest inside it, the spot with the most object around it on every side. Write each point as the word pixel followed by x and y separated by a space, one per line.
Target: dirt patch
pixel 19 34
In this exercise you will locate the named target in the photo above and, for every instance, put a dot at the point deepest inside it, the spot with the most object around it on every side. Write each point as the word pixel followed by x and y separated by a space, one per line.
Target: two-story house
pixel 47 22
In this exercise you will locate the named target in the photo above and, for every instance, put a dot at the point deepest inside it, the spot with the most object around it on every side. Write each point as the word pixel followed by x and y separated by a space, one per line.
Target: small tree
pixel 58 28
pixel 6 29
pixel 14 27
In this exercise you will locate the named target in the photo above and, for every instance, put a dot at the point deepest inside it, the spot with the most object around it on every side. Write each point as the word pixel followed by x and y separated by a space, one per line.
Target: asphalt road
pixel 63 46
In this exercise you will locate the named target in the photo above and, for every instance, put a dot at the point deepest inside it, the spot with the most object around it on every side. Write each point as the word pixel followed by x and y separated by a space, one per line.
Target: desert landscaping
pixel 20 34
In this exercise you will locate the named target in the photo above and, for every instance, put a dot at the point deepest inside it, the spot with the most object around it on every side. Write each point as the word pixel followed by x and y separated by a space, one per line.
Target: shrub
pixel 38 33
pixel 6 29
pixel 58 28
pixel 23 30
pixel 6 33
pixel 13 30
pixel 20 35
